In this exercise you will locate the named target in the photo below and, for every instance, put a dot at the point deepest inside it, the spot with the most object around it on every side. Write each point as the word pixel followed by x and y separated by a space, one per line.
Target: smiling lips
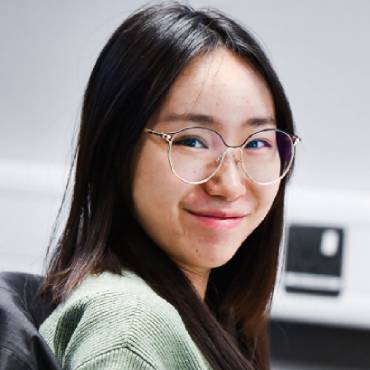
pixel 218 219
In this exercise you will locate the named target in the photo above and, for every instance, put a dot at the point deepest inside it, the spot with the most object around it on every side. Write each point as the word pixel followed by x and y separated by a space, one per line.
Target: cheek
pixel 156 191
pixel 145 182
pixel 266 196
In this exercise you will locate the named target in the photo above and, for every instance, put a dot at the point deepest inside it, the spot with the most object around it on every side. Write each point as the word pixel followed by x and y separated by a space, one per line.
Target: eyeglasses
pixel 196 153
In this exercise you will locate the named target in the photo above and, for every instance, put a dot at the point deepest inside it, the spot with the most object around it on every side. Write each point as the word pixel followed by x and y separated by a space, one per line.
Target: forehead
pixel 222 85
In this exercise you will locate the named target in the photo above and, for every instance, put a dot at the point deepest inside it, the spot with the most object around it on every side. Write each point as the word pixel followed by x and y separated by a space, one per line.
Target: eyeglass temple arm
pixel 162 135
pixel 296 140
pixel 168 137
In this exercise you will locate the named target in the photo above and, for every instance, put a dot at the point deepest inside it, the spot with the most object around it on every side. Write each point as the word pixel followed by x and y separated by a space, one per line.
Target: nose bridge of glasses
pixel 229 164
pixel 237 158
pixel 231 157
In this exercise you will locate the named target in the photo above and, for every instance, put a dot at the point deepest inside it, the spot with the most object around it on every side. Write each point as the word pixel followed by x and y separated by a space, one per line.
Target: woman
pixel 169 256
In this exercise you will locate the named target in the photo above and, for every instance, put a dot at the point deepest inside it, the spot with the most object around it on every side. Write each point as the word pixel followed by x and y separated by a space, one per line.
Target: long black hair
pixel 129 82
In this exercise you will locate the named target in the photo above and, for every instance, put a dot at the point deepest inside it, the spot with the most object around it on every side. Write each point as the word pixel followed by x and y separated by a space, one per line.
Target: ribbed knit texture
pixel 117 322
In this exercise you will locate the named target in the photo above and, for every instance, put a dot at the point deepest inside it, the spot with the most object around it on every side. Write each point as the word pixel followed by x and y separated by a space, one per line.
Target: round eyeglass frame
pixel 169 136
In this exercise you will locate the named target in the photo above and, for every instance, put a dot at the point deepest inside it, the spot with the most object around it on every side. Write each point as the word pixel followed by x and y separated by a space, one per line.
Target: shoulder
pixel 108 312
pixel 127 299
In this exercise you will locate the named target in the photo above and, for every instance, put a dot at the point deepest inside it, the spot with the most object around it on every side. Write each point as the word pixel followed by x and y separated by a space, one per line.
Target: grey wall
pixel 321 49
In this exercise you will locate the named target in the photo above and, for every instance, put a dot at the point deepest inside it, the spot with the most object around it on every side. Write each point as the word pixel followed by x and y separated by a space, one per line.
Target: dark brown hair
pixel 130 80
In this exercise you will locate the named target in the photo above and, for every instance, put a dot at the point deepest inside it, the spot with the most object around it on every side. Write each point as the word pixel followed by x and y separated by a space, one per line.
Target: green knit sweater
pixel 117 322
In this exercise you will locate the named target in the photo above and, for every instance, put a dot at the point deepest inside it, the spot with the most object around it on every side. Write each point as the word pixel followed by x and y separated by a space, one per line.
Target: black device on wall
pixel 314 259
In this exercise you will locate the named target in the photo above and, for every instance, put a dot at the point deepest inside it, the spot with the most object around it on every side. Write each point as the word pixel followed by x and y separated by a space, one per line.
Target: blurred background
pixel 321 51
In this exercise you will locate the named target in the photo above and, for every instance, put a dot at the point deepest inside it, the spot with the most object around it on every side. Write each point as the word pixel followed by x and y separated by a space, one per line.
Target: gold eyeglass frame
pixel 169 136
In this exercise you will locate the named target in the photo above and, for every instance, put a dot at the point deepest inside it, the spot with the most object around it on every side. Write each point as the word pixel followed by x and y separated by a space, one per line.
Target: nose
pixel 229 182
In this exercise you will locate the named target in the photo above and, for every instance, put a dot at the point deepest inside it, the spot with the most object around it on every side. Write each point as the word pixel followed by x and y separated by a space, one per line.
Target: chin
pixel 224 262
pixel 217 258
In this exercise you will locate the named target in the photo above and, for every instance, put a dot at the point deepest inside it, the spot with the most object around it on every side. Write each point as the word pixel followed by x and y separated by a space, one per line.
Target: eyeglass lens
pixel 266 156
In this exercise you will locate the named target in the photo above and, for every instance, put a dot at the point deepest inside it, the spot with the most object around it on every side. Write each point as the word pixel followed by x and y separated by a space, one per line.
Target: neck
pixel 199 281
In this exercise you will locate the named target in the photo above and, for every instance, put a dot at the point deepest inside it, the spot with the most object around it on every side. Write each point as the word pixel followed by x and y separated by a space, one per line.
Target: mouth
pixel 216 221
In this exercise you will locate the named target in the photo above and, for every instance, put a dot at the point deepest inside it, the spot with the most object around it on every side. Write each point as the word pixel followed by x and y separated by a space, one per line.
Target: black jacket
pixel 21 313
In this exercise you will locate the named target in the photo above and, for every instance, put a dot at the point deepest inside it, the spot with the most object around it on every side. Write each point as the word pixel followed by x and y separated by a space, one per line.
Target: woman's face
pixel 192 223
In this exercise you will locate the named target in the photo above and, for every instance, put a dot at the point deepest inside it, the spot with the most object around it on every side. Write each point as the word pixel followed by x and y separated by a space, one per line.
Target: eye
pixel 191 142
pixel 257 144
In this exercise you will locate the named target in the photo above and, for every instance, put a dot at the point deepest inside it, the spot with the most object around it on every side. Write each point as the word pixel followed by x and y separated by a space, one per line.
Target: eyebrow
pixel 205 119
